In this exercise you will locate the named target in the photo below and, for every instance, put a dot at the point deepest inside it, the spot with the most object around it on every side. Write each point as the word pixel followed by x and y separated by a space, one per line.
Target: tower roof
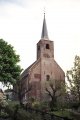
pixel 44 34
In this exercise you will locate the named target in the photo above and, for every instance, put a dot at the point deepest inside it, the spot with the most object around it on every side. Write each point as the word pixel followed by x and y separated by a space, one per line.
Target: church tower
pixel 45 68
pixel 45 47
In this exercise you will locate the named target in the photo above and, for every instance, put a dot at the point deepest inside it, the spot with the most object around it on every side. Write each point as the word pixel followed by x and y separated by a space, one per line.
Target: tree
pixel 55 89
pixel 20 92
pixel 9 69
pixel 73 77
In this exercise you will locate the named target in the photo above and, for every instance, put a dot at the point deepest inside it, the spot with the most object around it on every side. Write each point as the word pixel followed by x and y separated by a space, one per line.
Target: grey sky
pixel 11 1
pixel 17 2
pixel 21 22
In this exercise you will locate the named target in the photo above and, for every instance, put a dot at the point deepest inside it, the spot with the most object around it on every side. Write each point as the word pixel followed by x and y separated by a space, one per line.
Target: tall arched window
pixel 47 77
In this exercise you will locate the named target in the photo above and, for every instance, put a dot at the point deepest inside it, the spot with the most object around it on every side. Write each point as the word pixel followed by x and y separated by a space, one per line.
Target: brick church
pixel 45 68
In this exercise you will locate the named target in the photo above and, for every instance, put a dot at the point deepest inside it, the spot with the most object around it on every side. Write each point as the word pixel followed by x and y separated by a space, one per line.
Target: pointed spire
pixel 44 34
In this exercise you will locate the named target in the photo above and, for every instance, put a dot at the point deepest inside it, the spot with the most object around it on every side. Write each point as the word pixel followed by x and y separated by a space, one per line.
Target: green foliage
pixel 10 109
pixel 44 106
pixel 3 114
pixel 16 112
pixel 56 91
pixel 9 69
pixel 3 102
pixel 28 115
pixel 23 115
pixel 73 77
pixel 65 114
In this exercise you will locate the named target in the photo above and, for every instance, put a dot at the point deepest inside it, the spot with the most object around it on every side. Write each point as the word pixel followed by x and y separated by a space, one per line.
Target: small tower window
pixel 47 46
pixel 47 77
pixel 38 47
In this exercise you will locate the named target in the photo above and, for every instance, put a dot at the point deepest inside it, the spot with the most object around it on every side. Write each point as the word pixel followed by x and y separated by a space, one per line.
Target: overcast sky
pixel 21 26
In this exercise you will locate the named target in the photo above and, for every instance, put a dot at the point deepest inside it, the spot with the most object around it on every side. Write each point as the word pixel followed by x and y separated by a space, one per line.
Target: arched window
pixel 47 77
pixel 38 47
pixel 47 46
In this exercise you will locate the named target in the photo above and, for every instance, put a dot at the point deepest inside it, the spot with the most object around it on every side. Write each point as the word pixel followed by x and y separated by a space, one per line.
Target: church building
pixel 45 68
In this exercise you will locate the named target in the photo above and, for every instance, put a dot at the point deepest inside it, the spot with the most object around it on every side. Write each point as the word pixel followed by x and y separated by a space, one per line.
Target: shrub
pixel 23 115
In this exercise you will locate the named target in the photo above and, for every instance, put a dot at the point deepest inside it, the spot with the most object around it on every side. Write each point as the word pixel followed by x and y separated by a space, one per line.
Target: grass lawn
pixel 63 113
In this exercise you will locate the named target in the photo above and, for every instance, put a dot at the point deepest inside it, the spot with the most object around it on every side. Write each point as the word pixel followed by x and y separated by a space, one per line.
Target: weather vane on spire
pixel 44 10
